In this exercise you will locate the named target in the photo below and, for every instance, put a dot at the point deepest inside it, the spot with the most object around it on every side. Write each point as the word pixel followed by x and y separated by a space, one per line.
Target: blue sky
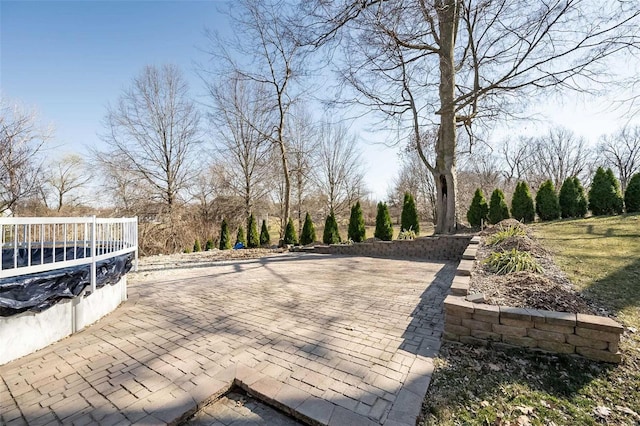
pixel 69 59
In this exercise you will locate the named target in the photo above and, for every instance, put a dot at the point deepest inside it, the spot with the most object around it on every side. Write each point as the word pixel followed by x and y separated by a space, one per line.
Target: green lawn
pixel 601 255
pixel 477 386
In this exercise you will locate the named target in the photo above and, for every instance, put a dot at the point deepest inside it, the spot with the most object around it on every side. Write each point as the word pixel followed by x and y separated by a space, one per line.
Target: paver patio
pixel 337 340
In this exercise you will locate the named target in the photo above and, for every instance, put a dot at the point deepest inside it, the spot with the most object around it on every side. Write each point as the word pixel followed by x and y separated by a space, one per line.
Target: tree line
pixel 604 198
pixel 555 155
pixel 437 72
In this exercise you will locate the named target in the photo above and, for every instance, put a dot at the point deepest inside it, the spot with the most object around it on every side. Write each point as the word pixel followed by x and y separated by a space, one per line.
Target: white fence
pixel 71 241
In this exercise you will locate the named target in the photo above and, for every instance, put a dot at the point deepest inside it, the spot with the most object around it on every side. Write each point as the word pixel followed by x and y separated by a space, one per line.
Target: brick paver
pixel 332 339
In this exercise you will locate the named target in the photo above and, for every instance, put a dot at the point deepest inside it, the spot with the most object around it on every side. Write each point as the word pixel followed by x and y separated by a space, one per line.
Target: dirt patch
pixel 550 290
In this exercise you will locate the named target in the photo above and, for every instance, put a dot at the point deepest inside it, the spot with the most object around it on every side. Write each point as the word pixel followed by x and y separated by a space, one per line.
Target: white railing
pixel 71 241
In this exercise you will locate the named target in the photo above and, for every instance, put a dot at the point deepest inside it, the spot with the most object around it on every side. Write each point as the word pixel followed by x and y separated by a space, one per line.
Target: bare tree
pixel 208 187
pixel 621 151
pixel 483 163
pixel 454 62
pixel 558 155
pixel 264 51
pixel 154 129
pixel 302 138
pixel 339 174
pixel 64 177
pixel 516 157
pixel 238 111
pixel 413 177
pixel 22 139
pixel 122 187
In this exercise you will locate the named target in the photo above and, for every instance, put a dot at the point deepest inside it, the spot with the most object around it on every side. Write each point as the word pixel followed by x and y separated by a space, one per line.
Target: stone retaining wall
pixel 590 336
pixel 443 247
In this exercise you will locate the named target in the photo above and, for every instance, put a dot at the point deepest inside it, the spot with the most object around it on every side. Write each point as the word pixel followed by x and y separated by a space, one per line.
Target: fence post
pixel 93 254
pixel 135 241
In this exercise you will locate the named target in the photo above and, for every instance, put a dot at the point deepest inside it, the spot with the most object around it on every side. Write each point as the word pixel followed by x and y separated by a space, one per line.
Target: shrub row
pixel 605 198
pixel 356 232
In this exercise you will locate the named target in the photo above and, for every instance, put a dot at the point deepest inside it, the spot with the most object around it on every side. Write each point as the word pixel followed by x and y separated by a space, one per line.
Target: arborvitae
pixel 568 198
pixel 582 204
pixel 617 202
pixel 265 238
pixel 498 209
pixel 522 203
pixel 478 210
pixel 572 200
pixel 356 231
pixel 240 238
pixel 253 239
pixel 604 195
pixel 209 245
pixel 196 246
pixel 384 228
pixel 632 194
pixel 225 241
pixel 547 205
pixel 308 231
pixel 331 235
pixel 409 217
pixel 290 236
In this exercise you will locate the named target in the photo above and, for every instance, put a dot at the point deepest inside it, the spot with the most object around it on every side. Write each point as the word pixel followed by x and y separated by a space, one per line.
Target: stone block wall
pixel 443 247
pixel 590 336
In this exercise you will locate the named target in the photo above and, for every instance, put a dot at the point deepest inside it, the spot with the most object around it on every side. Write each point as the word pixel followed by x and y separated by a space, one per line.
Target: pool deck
pixel 329 339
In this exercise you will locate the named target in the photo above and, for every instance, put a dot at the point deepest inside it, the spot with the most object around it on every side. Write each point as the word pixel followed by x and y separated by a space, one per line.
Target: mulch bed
pixel 550 290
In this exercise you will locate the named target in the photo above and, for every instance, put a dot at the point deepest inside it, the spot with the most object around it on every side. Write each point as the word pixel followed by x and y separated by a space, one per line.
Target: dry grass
pixel 481 387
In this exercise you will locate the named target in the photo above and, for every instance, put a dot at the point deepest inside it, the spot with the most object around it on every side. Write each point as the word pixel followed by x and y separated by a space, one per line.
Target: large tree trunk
pixel 287 189
pixel 444 173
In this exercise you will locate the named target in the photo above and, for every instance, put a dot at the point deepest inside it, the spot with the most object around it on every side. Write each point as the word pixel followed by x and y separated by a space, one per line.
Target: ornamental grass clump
pixel 500 236
pixel 408 234
pixel 507 262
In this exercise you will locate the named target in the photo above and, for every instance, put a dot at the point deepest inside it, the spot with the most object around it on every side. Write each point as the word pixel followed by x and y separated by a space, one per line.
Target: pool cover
pixel 37 292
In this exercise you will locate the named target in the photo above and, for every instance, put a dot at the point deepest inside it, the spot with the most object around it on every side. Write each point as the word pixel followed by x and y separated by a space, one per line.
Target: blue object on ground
pixel 238 246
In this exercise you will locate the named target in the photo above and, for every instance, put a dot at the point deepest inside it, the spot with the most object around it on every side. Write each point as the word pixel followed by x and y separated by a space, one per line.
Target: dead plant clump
pixel 502 225
pixel 549 290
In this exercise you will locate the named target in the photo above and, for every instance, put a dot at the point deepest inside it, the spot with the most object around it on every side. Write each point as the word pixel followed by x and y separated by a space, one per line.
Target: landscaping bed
pixel 597 266
pixel 549 289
